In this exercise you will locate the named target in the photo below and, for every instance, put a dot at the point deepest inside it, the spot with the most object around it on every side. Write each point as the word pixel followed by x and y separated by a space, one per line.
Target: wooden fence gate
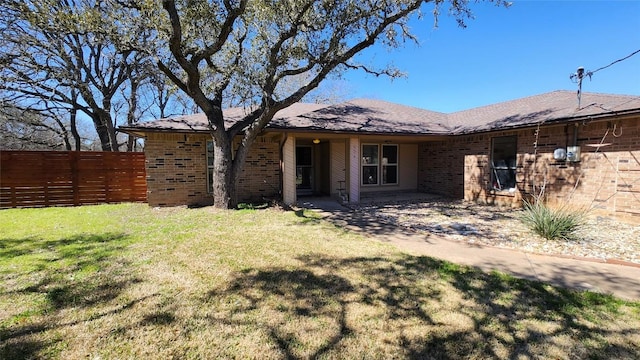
pixel 55 178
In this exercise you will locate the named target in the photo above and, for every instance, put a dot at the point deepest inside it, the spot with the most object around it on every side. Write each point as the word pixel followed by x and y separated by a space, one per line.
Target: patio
pixel 603 238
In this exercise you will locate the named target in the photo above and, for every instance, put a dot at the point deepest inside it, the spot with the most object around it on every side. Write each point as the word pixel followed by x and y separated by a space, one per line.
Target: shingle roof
pixel 556 106
pixel 198 122
pixel 381 117
pixel 367 116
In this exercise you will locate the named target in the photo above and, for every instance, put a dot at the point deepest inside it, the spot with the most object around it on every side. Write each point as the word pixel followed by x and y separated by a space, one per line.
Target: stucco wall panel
pixel 289 171
pixel 354 170
pixel 408 167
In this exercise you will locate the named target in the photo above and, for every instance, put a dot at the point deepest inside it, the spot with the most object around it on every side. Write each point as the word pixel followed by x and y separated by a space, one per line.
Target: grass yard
pixel 127 281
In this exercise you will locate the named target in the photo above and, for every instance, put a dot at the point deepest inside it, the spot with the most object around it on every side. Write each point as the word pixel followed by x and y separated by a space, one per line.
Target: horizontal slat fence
pixel 58 178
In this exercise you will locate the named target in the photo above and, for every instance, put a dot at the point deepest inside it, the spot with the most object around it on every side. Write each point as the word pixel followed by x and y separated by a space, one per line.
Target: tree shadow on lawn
pixel 380 223
pixel 398 307
pixel 348 219
pixel 80 271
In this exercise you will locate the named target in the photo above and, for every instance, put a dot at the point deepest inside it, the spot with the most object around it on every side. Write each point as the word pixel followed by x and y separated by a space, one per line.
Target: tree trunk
pixel 103 133
pixel 224 184
pixel 133 107
pixel 64 134
pixel 111 131
pixel 131 140
pixel 73 118
pixel 74 129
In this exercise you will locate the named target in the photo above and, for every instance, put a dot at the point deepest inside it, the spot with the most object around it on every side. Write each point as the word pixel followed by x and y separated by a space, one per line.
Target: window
pixel 389 164
pixel 210 166
pixel 378 164
pixel 369 164
pixel 503 163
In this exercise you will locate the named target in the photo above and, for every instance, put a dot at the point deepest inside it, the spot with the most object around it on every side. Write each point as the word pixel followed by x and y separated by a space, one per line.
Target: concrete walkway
pixel 620 280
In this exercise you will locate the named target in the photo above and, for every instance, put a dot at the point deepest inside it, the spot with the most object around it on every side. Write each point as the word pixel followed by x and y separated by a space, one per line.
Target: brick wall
pixel 260 177
pixel 176 170
pixel 607 178
pixel 441 165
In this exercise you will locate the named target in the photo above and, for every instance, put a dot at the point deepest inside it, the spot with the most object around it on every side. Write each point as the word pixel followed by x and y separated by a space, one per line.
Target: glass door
pixel 304 170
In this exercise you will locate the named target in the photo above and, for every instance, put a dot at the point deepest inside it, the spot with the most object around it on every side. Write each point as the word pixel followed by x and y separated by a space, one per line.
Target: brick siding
pixel 176 168
pixel 606 179
pixel 260 177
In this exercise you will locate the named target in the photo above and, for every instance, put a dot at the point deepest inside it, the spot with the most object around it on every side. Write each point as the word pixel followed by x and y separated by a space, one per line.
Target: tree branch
pixel 225 30
pixel 214 112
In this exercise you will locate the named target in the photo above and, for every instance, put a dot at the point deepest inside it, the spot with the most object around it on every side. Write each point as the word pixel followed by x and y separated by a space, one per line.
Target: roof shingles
pixel 381 117
pixel 544 108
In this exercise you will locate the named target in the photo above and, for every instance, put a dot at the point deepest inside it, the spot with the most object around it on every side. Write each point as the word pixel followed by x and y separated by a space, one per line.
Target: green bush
pixel 552 223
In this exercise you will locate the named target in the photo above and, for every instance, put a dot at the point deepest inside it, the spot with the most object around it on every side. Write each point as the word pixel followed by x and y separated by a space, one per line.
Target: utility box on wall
pixel 573 153
pixel 560 154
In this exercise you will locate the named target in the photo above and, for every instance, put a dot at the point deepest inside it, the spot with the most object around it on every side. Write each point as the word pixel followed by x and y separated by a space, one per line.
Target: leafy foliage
pixel 28 130
pixel 69 62
pixel 248 53
pixel 552 223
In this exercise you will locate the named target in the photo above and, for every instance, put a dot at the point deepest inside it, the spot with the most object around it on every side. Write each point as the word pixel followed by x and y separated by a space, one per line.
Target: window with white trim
pixel 379 164
pixel 389 164
pixel 503 162
pixel 369 164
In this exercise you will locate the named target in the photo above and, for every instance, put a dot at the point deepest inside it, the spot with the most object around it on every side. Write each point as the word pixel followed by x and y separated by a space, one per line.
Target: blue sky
pixel 503 54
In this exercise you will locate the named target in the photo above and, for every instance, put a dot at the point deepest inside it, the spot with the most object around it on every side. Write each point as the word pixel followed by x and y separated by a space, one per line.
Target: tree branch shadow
pixel 510 318
pixel 77 272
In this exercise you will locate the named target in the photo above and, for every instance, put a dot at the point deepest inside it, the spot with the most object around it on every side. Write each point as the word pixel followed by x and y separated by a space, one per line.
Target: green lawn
pixel 127 281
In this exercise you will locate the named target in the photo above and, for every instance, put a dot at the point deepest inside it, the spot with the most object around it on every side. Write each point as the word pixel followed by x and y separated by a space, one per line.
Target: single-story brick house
pixel 498 153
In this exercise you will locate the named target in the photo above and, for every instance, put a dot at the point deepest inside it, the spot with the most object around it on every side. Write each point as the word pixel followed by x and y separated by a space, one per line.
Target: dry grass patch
pixel 127 281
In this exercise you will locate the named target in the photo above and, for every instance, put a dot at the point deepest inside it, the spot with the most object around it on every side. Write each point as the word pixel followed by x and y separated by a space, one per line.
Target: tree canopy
pixel 64 59
pixel 243 52
pixel 101 58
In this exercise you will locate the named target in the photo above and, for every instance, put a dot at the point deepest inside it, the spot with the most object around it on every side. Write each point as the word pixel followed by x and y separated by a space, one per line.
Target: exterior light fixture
pixel 316 141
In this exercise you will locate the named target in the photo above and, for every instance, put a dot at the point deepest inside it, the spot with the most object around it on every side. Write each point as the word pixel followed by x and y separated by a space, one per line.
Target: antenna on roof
pixel 577 77
pixel 580 74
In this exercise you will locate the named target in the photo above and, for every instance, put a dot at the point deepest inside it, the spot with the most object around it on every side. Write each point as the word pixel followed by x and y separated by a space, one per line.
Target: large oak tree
pixel 52 58
pixel 69 61
pixel 243 52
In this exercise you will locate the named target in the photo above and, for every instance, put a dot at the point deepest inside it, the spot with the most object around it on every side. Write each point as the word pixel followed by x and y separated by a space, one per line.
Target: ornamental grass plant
pixel 553 223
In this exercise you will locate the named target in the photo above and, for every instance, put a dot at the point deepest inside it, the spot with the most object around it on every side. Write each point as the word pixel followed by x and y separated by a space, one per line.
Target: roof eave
pixel 141 132
pixel 618 115
pixel 351 132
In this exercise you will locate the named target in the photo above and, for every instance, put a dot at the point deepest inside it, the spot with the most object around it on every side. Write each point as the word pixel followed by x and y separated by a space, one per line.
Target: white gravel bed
pixel 601 237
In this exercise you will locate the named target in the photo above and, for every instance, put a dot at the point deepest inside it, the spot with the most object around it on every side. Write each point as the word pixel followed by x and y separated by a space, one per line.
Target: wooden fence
pixel 57 178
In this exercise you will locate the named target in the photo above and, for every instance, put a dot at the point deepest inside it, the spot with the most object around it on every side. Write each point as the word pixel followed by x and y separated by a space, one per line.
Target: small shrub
pixel 252 206
pixel 552 223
